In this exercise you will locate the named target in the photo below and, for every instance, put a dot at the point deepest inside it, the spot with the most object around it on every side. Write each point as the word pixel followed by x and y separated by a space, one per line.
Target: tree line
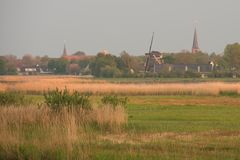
pixel 124 65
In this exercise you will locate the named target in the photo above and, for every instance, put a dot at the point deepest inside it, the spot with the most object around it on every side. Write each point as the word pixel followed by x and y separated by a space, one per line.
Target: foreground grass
pixel 159 127
pixel 184 114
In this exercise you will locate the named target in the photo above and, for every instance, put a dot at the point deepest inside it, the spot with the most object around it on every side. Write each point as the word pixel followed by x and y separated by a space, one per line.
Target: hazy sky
pixel 41 26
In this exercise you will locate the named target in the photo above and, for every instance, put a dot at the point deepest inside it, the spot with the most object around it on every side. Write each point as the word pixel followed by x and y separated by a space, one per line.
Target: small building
pixel 196 68
pixel 30 70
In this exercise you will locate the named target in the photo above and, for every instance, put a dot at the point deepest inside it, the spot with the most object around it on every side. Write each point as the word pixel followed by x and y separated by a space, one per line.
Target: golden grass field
pixel 43 83
pixel 152 126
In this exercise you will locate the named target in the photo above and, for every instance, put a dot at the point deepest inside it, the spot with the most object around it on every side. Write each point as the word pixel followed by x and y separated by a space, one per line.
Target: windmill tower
pixel 195 47
pixel 153 58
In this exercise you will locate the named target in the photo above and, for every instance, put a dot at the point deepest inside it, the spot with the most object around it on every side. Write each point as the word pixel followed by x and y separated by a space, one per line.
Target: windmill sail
pixel 148 55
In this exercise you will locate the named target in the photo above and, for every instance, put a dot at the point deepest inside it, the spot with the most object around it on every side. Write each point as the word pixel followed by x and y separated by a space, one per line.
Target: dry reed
pixel 42 83
pixel 112 118
pixel 48 131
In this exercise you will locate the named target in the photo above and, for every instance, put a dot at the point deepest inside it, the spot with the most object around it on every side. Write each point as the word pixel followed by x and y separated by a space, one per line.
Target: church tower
pixel 195 47
pixel 64 51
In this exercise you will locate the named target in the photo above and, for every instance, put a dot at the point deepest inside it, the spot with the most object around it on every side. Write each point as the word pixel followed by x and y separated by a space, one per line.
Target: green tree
pixel 219 61
pixel 104 66
pixel 11 64
pixel 59 66
pixel 169 58
pixel 232 55
pixel 129 62
pixel 2 67
pixel 44 60
pixel 109 72
pixel 189 58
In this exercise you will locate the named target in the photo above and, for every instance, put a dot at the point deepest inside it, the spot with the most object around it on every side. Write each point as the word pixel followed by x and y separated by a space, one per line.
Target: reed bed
pixel 111 118
pixel 39 84
pixel 46 79
pixel 39 133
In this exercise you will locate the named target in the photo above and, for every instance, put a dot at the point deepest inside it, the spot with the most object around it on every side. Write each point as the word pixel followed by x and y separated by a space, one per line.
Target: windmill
pixel 153 58
pixel 149 54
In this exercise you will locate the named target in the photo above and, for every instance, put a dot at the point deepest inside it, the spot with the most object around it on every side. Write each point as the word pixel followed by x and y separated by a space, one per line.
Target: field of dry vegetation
pixel 38 84
pixel 160 121
pixel 38 132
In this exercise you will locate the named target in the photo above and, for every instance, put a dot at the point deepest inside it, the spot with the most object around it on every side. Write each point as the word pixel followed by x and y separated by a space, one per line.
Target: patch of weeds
pixel 115 101
pixel 58 99
pixel 231 93
pixel 12 98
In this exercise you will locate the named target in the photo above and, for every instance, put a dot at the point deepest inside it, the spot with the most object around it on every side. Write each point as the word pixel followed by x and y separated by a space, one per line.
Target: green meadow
pixel 188 131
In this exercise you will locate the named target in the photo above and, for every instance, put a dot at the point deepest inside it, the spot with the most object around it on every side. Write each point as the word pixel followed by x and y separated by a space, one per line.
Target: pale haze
pixel 40 27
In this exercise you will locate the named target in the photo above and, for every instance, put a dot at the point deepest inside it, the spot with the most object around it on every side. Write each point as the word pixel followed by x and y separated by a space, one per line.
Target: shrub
pixel 115 101
pixel 11 98
pixel 229 93
pixel 57 99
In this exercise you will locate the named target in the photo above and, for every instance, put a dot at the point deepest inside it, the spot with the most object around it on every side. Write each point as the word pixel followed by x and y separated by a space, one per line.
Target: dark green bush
pixel 11 98
pixel 115 101
pixel 229 93
pixel 57 99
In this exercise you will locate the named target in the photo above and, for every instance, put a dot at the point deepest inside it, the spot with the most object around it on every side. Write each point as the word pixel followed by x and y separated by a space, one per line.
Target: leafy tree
pixel 201 58
pixel 44 62
pixel 169 59
pixel 108 71
pixel 2 67
pixel 130 62
pixel 219 61
pixel 121 66
pixel 232 55
pixel 127 60
pixel 59 66
pixel 73 69
pixel 127 63
pixel 103 63
pixel 28 60
pixel 11 64
pixel 189 58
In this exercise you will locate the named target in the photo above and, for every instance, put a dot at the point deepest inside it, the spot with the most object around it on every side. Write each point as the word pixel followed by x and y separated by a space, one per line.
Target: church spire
pixel 195 47
pixel 64 50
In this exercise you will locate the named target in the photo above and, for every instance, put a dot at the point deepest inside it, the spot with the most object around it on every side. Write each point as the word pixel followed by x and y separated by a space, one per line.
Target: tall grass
pixel 110 118
pixel 31 132
pixel 39 84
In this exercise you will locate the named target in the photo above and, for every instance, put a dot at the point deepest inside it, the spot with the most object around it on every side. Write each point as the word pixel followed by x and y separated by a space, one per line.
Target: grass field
pixel 157 127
